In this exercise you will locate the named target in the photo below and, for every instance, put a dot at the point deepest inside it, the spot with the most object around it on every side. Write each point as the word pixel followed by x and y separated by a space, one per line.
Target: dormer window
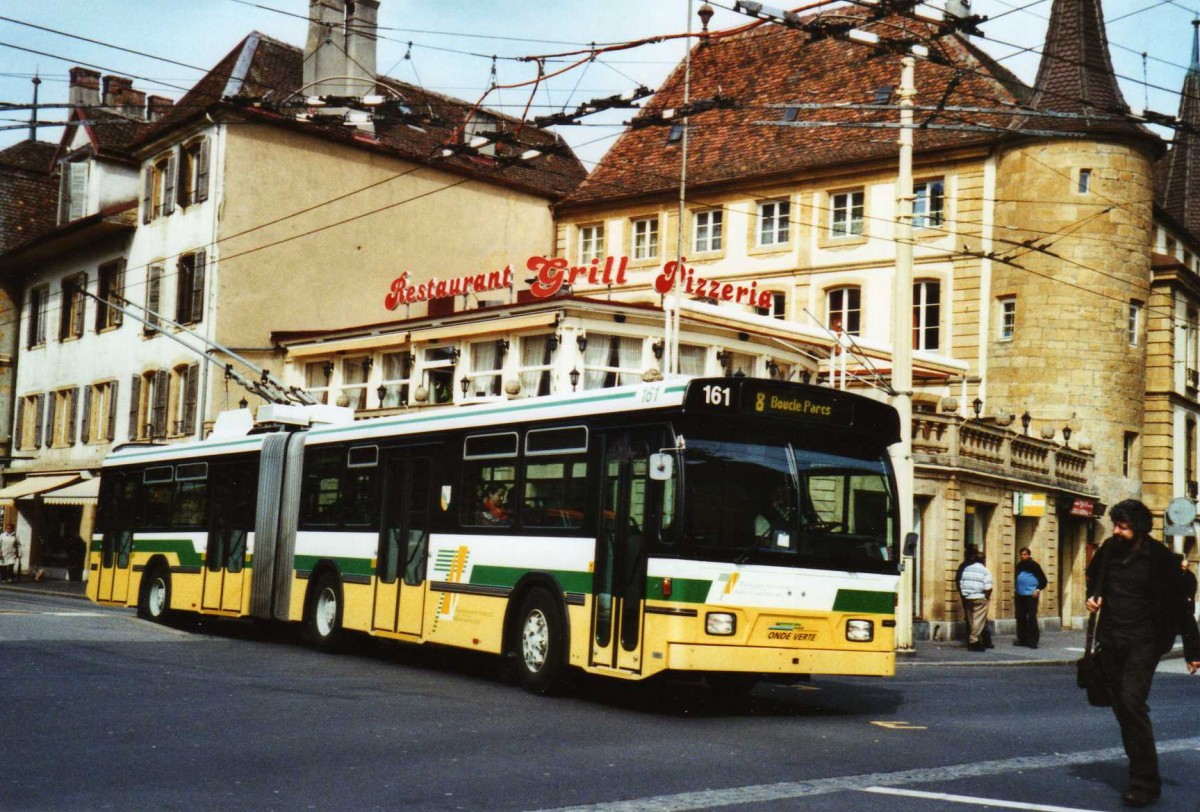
pixel 477 133
pixel 72 196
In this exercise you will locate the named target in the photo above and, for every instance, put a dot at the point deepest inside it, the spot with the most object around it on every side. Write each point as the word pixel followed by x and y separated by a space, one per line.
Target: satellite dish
pixel 1181 513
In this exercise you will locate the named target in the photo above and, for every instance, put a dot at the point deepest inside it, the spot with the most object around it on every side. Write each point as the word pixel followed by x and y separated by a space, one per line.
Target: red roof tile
pixel 1178 175
pixel 28 192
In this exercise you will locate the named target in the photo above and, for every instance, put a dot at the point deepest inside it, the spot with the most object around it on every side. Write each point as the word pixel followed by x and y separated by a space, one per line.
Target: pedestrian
pixel 1030 581
pixel 1136 585
pixel 1189 585
pixel 975 584
pixel 8 553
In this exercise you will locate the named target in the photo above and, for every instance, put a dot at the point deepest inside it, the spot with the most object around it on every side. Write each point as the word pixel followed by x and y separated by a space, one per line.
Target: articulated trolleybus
pixel 731 527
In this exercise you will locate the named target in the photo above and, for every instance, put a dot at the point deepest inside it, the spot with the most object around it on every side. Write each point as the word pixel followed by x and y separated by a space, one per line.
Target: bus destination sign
pixel 792 402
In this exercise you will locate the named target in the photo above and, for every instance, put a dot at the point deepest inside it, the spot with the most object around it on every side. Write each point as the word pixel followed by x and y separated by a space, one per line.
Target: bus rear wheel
pixel 540 643
pixel 324 616
pixel 154 602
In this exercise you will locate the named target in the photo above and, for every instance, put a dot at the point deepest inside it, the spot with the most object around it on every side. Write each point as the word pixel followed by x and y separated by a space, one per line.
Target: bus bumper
pixel 685 657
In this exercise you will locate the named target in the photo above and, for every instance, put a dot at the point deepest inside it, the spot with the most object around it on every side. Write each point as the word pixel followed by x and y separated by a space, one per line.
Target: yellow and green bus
pixel 737 528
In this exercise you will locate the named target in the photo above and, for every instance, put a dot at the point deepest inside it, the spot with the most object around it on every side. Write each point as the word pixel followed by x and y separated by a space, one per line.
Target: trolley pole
pixel 902 378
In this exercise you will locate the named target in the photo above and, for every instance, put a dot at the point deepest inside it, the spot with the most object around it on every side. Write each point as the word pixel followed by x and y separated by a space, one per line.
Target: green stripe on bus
pixel 858 600
pixel 569 580
pixel 683 590
pixel 188 557
pixel 347 566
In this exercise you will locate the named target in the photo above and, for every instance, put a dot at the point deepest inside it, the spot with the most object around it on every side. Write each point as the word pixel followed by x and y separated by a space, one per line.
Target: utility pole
pixel 902 381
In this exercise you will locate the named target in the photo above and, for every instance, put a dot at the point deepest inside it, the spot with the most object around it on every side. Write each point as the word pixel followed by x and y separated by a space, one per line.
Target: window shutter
pixel 111 435
pixel 153 297
pixel 38 405
pixel 169 179
pixel 78 174
pixel 148 194
pixel 41 315
pixel 51 416
pixel 202 172
pixel 33 318
pixel 117 293
pixel 72 414
pixel 189 400
pixel 135 395
pixel 19 431
pixel 66 308
pixel 79 304
pixel 162 389
pixel 85 427
pixel 198 287
pixel 64 193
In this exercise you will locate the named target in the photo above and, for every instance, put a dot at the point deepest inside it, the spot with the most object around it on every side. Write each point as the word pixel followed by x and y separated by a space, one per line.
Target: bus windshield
pixel 772 502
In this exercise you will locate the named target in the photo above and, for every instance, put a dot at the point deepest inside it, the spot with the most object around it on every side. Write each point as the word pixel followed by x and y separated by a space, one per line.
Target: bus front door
pixel 619 586
pixel 116 554
pixel 403 544
pixel 224 570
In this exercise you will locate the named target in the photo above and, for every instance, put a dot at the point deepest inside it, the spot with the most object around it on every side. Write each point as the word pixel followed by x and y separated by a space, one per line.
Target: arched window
pixel 927 314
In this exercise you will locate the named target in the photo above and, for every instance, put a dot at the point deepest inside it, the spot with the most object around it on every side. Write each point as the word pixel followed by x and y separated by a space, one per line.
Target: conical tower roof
pixel 1179 171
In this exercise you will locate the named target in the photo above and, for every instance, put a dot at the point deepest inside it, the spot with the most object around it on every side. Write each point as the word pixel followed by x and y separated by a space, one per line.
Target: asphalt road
pixel 102 711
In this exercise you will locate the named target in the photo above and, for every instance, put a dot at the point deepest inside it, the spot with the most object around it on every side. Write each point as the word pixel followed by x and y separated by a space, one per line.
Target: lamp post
pixel 574 376
pixel 382 392
pixel 464 384
pixel 1026 419
pixel 977 405
pixel 1066 436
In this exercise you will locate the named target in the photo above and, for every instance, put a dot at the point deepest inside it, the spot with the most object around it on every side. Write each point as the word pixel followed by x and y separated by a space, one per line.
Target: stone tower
pixel 1073 231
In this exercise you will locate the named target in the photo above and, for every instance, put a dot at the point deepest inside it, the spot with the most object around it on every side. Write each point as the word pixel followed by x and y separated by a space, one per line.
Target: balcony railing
pixel 952 441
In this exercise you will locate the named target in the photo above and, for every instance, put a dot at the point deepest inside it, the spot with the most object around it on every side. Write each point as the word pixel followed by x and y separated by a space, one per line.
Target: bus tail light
pixel 860 631
pixel 666 587
pixel 721 624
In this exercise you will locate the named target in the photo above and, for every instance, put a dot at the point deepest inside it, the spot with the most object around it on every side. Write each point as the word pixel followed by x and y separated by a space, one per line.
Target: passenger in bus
pixel 492 511
pixel 773 524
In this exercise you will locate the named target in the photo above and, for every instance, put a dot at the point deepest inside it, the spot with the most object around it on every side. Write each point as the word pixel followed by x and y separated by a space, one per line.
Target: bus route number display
pixel 806 404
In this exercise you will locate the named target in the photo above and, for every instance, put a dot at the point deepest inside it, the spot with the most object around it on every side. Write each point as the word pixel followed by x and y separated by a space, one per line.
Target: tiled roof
pixel 113 133
pixel 1076 75
pixel 263 68
pixel 28 192
pixel 768 67
pixel 1178 177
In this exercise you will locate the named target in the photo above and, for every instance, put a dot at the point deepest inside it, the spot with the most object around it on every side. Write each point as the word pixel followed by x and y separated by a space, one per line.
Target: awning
pixel 482 326
pixel 335 345
pixel 83 492
pixel 30 486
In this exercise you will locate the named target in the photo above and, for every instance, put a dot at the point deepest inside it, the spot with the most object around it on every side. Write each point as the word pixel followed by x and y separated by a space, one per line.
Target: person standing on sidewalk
pixel 8 553
pixel 1030 581
pixel 1136 584
pixel 975 583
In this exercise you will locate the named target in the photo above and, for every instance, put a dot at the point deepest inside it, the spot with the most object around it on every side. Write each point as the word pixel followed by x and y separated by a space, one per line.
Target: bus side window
pixel 488 497
pixel 556 469
pixel 321 492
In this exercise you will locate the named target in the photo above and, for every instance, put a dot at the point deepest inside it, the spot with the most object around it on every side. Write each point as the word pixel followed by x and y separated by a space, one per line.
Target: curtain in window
pixel 691 360
pixel 595 358
pixel 535 351
pixel 629 359
pixel 484 358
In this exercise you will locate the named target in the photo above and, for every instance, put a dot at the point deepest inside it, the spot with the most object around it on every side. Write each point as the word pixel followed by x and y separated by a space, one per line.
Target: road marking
pixel 900 726
pixel 788 790
pixel 967 799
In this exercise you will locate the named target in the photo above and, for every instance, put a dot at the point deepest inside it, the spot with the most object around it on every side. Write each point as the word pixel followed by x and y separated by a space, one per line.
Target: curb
pixel 39 590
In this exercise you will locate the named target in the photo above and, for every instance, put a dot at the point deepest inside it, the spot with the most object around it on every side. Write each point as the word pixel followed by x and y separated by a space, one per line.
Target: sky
pixel 453 47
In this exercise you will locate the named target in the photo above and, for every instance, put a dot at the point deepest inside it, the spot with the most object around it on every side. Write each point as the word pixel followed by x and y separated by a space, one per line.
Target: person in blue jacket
pixel 1030 581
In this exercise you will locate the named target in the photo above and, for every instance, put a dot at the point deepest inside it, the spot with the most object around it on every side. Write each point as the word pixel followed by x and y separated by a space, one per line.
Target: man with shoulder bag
pixel 1134 583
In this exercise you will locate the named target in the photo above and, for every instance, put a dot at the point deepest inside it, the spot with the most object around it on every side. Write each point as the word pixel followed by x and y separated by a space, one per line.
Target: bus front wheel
pixel 325 613
pixel 539 643
pixel 154 603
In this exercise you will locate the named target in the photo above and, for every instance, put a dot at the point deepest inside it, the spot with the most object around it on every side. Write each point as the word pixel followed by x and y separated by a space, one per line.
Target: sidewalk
pixel 68 589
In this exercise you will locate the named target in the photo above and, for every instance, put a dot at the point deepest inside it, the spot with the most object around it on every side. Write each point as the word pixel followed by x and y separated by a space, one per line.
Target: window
pixel 30 410
pixel 189 295
pixel 777 309
pixel 397 368
pixel 927 204
pixel 111 288
pixel 774 222
pixel 707 231
pixel 317 375
pixel 1170 247
pixel 846 214
pixel 489 474
pixel 1128 457
pixel 1191 349
pixel 1134 323
pixel 154 275
pixel 737 364
pixel 355 372
pixel 158 188
pixel 439 365
pixel 844 306
pixel 591 243
pixel 610 360
pixel 556 492
pixel 148 405
pixel 487 361
pixel 72 196
pixel 478 132
pixel 185 384
pixel 61 415
pixel 193 173
pixel 645 238
pixel 99 424
pixel 1007 323
pixel 1085 181
pixel 537 352
pixel 692 359
pixel 340 487
pixel 675 135
pixel 38 303
pixel 71 313
pixel 927 315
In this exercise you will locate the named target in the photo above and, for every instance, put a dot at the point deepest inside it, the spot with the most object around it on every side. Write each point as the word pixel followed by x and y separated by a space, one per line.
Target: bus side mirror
pixel 662 467
pixel 910 545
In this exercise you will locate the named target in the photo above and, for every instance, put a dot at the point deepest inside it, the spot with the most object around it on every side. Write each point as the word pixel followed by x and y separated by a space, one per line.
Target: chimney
pixel 115 88
pixel 157 107
pixel 324 54
pixel 133 103
pixel 361 19
pixel 85 87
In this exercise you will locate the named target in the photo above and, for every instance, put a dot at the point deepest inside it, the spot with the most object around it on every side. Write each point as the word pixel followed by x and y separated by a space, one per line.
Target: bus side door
pixel 231 498
pixel 116 554
pixel 119 497
pixel 403 543
pixel 619 585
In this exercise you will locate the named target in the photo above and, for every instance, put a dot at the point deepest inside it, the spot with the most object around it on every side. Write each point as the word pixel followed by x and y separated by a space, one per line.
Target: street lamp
pixel 382 392
pixel 1026 419
pixel 977 405
pixel 464 384
pixel 1066 436
pixel 574 376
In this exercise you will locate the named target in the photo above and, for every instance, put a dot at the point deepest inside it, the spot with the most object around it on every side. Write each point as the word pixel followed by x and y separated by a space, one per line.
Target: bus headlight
pixel 720 623
pixel 860 631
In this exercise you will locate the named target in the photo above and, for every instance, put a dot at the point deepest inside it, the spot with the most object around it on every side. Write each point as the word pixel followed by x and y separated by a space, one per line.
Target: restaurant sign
pixel 551 274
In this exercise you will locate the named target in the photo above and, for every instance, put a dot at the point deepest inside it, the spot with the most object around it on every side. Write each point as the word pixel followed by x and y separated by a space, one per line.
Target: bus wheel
pixel 325 613
pixel 539 644
pixel 154 603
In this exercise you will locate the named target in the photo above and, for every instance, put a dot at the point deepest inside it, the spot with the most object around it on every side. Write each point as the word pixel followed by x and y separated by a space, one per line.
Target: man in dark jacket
pixel 1030 581
pixel 1134 582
